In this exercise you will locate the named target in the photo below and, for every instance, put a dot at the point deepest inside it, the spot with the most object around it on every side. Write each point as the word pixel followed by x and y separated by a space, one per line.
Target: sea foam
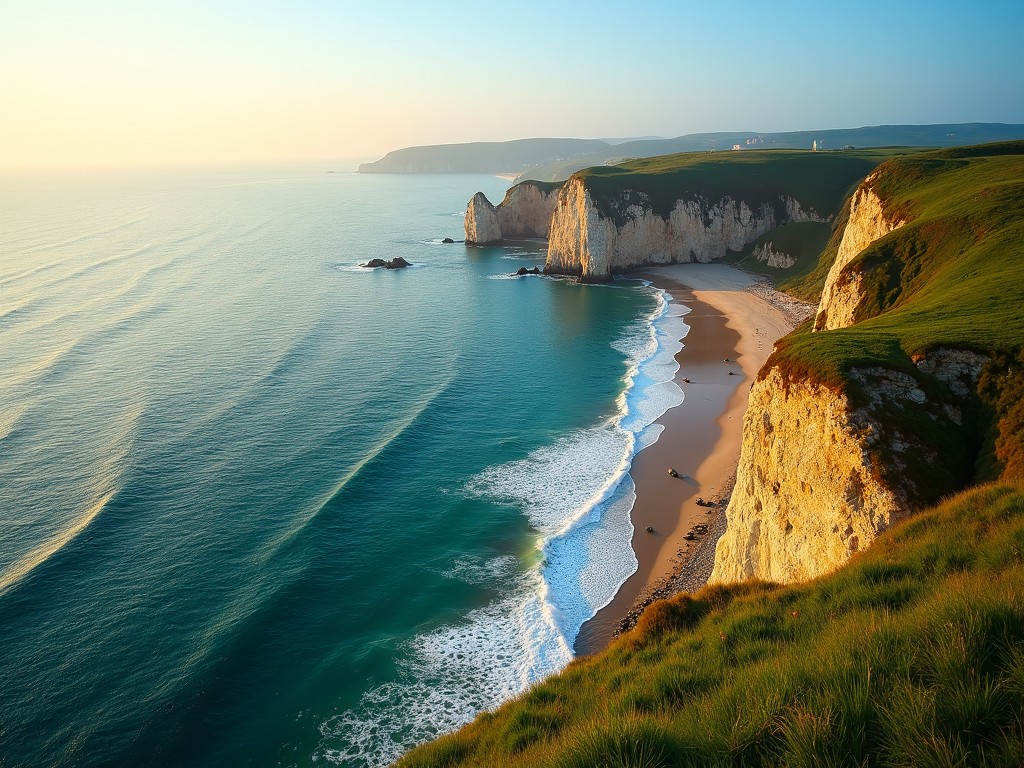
pixel 577 495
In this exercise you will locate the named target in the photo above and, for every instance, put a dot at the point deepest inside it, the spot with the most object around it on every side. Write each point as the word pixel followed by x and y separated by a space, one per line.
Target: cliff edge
pixel 898 393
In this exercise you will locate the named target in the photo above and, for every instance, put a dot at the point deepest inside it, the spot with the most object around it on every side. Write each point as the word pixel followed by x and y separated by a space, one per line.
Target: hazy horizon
pixel 117 85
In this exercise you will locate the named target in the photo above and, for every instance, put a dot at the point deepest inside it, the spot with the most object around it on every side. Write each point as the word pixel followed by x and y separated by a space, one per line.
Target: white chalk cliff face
pixel 807 495
pixel 525 212
pixel 583 242
pixel 809 489
pixel 482 226
pixel 842 295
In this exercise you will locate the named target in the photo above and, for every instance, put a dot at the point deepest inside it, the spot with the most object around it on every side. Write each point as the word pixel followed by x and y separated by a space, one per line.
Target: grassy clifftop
pixel 954 274
pixel 818 180
pixel 913 654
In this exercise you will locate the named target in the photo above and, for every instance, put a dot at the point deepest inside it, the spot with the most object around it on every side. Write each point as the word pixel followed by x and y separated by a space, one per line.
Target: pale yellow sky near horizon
pixel 119 83
pixel 137 88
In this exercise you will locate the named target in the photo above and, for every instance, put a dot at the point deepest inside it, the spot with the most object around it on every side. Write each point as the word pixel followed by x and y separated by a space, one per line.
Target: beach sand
pixel 701 439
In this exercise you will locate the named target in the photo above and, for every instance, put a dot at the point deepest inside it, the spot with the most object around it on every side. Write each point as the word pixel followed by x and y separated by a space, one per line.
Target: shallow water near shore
pixel 265 506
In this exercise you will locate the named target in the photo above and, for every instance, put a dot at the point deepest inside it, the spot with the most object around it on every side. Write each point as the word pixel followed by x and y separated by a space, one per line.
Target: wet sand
pixel 701 439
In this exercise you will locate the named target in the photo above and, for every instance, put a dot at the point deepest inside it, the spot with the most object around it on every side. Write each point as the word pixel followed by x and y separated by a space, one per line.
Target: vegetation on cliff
pixel 913 654
pixel 803 241
pixel 952 277
pixel 819 181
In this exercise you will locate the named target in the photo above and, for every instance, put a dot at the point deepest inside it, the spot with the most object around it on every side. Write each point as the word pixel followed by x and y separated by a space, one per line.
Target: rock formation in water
pixel 396 263
pixel 524 213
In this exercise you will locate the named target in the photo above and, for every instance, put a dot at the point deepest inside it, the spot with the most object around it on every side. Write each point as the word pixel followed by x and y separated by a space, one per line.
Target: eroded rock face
pixel 842 292
pixel 578 238
pixel 807 493
pixel 811 488
pixel 525 212
pixel 959 369
pixel 777 259
pixel 482 226
pixel 583 242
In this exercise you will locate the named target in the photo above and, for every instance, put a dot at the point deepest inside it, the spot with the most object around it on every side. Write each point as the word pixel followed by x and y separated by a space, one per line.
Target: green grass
pixel 911 655
pixel 818 180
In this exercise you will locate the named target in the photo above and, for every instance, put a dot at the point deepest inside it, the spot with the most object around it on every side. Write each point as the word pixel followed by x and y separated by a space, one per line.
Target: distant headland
pixel 558 159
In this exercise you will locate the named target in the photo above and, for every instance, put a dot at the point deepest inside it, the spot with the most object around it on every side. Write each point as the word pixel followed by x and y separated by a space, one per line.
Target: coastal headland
pixel 732 332
pixel 865 558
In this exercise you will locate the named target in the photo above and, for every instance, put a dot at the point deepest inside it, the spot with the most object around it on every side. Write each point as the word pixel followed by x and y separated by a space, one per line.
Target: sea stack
pixel 482 226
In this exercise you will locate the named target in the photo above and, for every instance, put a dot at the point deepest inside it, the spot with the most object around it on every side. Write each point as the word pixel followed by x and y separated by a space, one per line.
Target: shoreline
pixel 736 317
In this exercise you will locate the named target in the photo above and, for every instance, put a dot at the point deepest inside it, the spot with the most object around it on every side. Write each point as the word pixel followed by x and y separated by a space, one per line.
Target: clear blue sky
pixel 118 82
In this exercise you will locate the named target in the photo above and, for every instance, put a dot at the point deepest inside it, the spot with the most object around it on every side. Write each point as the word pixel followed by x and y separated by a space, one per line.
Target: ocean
pixel 263 506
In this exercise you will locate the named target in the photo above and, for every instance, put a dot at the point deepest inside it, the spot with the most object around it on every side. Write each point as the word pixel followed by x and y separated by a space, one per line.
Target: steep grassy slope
pixel 913 654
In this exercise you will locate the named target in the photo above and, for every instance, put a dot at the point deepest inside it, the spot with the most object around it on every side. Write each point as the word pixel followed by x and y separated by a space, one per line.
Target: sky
pixel 220 82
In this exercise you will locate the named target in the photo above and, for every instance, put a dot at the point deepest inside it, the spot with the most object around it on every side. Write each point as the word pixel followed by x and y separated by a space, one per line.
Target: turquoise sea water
pixel 261 506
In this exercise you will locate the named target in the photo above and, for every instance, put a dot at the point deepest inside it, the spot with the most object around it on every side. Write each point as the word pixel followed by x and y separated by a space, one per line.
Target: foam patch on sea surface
pixel 450 675
pixel 577 495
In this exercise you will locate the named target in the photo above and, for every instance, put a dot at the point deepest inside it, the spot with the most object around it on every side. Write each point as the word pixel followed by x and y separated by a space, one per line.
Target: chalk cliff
pixel 868 222
pixel 824 469
pixel 595 241
pixel 807 494
pixel 525 212
pixel 482 224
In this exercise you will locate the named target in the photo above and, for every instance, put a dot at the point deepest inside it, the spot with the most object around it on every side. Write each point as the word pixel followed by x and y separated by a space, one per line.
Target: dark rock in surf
pixel 396 263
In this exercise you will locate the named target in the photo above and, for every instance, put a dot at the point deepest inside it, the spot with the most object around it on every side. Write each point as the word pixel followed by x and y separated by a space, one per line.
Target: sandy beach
pixel 732 332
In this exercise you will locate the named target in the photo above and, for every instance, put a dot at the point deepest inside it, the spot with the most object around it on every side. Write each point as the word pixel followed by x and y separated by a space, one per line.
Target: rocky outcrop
pixel 822 474
pixel 867 223
pixel 396 263
pixel 584 241
pixel 482 226
pixel 525 212
pixel 766 253
pixel 807 495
